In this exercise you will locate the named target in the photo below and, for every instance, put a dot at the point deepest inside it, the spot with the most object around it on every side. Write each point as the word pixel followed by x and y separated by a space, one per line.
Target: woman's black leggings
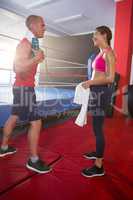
pixel 98 122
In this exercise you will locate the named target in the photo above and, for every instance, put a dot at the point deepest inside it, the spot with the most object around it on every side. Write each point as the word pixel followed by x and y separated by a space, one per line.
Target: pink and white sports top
pixel 99 64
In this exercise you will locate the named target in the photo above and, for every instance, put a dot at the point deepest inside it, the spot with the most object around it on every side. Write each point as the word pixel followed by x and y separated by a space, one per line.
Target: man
pixel 24 98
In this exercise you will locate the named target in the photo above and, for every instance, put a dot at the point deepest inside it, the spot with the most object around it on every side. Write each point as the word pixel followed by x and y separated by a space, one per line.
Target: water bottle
pixel 35 45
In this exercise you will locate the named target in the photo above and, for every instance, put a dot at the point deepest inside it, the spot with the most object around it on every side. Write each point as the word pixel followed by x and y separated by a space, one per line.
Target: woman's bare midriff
pixel 97 75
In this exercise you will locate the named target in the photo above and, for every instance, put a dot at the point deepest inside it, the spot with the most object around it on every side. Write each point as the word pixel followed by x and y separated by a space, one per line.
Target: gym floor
pixel 62 146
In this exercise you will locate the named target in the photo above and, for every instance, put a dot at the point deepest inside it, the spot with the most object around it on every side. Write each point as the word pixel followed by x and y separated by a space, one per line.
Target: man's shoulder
pixel 24 40
pixel 24 43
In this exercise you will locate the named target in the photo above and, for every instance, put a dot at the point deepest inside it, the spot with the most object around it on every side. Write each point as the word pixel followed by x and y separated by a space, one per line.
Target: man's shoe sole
pixel 6 154
pixel 38 171
pixel 89 158
pixel 95 175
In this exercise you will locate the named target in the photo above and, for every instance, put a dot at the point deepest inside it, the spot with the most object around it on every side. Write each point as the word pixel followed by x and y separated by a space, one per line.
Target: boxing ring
pixel 54 96
pixel 62 146
pixel 50 100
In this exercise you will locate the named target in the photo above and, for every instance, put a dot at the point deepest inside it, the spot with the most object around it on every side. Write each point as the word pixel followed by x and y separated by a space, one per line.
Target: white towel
pixel 82 97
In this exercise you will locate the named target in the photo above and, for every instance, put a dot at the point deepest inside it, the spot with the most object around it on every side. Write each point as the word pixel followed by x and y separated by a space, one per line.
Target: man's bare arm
pixel 23 61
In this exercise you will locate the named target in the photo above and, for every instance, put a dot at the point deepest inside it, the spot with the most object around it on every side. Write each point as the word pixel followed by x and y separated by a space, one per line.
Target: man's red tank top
pixel 26 79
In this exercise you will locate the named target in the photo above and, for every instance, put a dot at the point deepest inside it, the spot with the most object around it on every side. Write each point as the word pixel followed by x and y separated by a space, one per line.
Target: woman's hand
pixel 86 84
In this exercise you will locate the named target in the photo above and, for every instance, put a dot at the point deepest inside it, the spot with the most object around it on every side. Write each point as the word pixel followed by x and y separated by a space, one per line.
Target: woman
pixel 102 76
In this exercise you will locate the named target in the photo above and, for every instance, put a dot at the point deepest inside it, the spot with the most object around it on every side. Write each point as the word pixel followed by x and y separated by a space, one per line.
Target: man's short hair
pixel 32 19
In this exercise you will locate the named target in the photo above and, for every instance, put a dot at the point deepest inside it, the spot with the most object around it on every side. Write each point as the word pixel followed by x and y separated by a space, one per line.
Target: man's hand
pixel 86 84
pixel 39 56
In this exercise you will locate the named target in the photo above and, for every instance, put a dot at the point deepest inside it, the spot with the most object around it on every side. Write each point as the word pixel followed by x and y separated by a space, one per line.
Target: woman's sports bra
pixel 99 64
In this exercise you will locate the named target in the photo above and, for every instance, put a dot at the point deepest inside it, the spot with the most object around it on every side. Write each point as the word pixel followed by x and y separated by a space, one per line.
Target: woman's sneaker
pixel 10 150
pixel 39 166
pixel 93 171
pixel 90 156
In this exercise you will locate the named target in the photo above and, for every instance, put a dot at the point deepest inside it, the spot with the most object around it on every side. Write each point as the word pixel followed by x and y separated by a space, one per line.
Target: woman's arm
pixel 110 61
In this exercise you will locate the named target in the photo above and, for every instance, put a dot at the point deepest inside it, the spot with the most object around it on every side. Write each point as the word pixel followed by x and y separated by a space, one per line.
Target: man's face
pixel 39 28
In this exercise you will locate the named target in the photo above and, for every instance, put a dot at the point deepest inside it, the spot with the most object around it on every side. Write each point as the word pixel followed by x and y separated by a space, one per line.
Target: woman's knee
pixel 95 130
pixel 98 125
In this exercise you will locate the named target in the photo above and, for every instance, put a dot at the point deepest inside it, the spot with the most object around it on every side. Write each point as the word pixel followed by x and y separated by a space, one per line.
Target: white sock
pixel 4 147
pixel 34 159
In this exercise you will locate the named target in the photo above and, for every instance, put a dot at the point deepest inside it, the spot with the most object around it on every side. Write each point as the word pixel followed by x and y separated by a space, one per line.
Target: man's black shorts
pixel 24 104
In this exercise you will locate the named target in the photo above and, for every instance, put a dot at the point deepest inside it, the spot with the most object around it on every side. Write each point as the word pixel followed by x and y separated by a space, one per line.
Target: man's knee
pixel 11 122
pixel 36 124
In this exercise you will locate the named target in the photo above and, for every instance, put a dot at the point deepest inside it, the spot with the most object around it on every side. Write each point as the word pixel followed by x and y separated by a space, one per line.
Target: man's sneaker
pixel 93 172
pixel 10 150
pixel 39 166
pixel 90 156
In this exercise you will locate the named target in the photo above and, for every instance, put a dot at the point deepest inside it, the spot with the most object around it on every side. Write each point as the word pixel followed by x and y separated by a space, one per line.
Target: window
pixel 6 59
pixel 5 77
pixel 7 52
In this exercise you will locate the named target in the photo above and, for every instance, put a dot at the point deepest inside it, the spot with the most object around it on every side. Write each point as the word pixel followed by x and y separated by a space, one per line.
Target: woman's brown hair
pixel 105 30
